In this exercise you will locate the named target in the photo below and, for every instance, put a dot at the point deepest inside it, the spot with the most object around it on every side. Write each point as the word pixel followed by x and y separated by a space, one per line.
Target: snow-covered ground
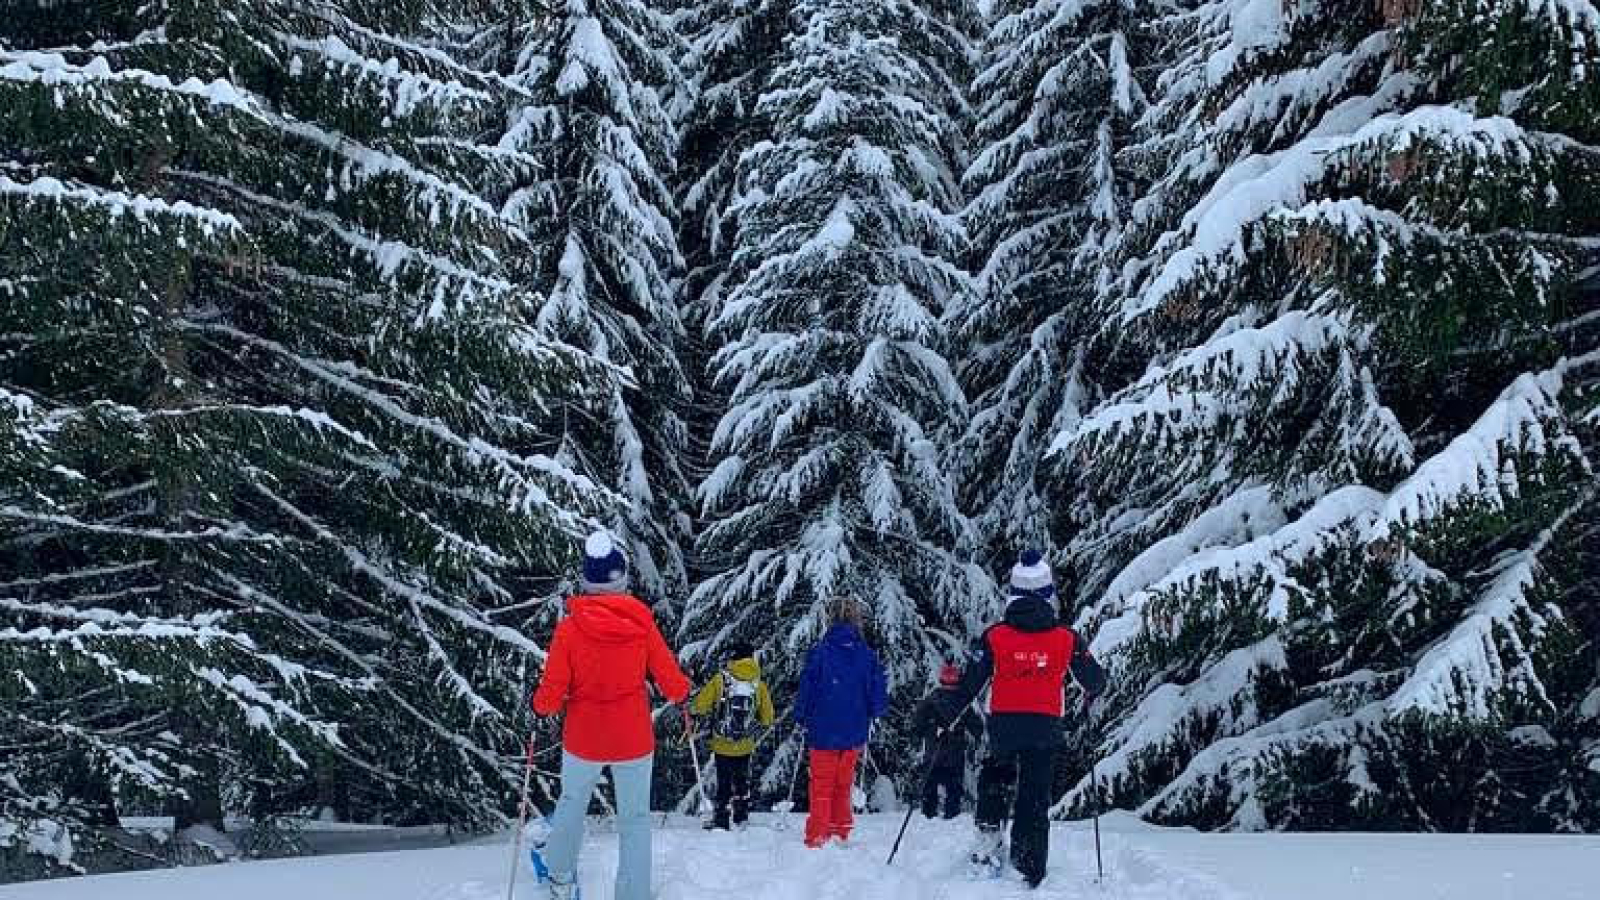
pixel 1142 863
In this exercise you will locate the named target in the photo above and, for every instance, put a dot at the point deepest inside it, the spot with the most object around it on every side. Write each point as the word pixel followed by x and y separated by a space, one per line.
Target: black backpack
pixel 736 711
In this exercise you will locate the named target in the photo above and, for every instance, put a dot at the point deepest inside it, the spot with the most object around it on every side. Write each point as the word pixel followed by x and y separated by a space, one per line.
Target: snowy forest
pixel 329 327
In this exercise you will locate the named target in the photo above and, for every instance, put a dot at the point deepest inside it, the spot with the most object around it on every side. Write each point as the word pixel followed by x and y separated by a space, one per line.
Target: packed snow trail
pixel 1142 863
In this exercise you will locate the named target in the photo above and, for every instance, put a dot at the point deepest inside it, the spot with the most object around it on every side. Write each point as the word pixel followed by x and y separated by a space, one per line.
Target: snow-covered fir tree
pixel 1332 525
pixel 733 46
pixel 830 482
pixel 284 419
pixel 1049 191
pixel 732 49
pixel 596 208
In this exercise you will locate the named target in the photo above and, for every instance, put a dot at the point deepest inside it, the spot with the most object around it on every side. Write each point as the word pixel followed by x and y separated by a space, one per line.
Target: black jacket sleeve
pixel 978 669
pixel 929 718
pixel 972 724
pixel 1086 671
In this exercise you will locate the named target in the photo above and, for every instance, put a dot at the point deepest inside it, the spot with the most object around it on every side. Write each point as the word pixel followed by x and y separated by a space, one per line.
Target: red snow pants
pixel 833 772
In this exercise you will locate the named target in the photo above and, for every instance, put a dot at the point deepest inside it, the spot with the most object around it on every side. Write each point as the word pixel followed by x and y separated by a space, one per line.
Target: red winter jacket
pixel 1027 659
pixel 599 657
pixel 1029 669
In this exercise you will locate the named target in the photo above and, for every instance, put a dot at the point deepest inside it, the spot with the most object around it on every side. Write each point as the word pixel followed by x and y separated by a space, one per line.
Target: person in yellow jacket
pixel 738 702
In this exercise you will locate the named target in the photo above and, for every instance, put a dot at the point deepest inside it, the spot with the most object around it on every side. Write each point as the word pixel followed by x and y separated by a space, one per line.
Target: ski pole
pixel 1099 865
pixel 694 753
pixel 1094 787
pixel 858 790
pixel 522 821
pixel 794 777
pixel 787 806
pixel 927 773
pixel 911 807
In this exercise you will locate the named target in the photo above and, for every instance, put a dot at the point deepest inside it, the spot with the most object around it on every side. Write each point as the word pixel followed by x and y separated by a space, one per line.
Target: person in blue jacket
pixel 841 691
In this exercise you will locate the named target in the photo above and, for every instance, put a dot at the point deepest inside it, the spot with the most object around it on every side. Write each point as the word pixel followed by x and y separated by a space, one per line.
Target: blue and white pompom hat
pixel 1031 576
pixel 605 571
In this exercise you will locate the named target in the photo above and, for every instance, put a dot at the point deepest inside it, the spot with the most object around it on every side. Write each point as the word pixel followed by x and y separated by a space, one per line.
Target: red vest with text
pixel 1030 669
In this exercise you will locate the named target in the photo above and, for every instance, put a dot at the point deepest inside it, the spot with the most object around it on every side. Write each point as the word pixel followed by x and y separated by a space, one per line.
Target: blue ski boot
pixel 536 834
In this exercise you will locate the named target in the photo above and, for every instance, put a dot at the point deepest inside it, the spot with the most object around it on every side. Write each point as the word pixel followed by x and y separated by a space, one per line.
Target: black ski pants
pixel 949 780
pixel 733 790
pixel 1016 779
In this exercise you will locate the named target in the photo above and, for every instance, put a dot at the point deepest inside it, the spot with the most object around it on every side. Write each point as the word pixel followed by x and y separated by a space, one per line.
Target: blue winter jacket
pixel 841 690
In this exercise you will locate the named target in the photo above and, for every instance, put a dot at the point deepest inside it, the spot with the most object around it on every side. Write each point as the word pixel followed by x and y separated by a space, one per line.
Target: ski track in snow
pixel 773 865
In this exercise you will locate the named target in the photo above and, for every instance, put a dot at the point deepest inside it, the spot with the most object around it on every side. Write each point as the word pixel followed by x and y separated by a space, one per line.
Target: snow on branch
pixel 1270 557
pixel 1489 654
pixel 1238 765
pixel 1223 696
pixel 474 449
pixel 56 578
pixel 104 617
pixel 389 258
pixel 1493 459
pixel 1234 521
pixel 115 204
pixel 263 711
pixel 52 70
pixel 142 765
pixel 319 421
pixel 147 629
pixel 236 531
pixel 1201 386
pixel 362 563
pixel 406 90
pixel 363 163
pixel 1211 234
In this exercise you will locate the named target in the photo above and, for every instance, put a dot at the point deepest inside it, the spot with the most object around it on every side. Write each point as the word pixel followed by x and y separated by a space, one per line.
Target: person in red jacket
pixel 599 659
pixel 1027 658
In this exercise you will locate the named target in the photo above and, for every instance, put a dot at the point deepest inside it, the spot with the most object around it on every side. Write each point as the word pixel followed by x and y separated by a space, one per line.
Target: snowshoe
pixel 536 834
pixel 985 869
pixel 784 810
pixel 987 861
pixel 564 890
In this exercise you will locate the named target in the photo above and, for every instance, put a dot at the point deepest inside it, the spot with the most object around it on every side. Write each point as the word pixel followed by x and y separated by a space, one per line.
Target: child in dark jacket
pixel 1025 660
pixel 945 752
pixel 842 689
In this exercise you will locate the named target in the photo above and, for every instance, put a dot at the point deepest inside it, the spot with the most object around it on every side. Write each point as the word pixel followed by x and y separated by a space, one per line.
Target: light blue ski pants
pixel 578 780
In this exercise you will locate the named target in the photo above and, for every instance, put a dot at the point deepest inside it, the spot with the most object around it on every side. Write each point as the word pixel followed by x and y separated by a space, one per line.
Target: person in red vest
pixel 600 657
pixel 1027 658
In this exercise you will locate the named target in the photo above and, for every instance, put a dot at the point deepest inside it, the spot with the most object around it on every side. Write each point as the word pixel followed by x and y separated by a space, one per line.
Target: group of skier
pixel 608 648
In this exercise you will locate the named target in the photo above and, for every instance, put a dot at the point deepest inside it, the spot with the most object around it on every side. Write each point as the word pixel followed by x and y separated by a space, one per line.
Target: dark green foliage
pixel 287 421
pixel 1340 486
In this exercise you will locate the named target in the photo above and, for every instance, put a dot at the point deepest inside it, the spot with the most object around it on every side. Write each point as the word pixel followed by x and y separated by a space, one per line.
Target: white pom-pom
pixel 598 545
